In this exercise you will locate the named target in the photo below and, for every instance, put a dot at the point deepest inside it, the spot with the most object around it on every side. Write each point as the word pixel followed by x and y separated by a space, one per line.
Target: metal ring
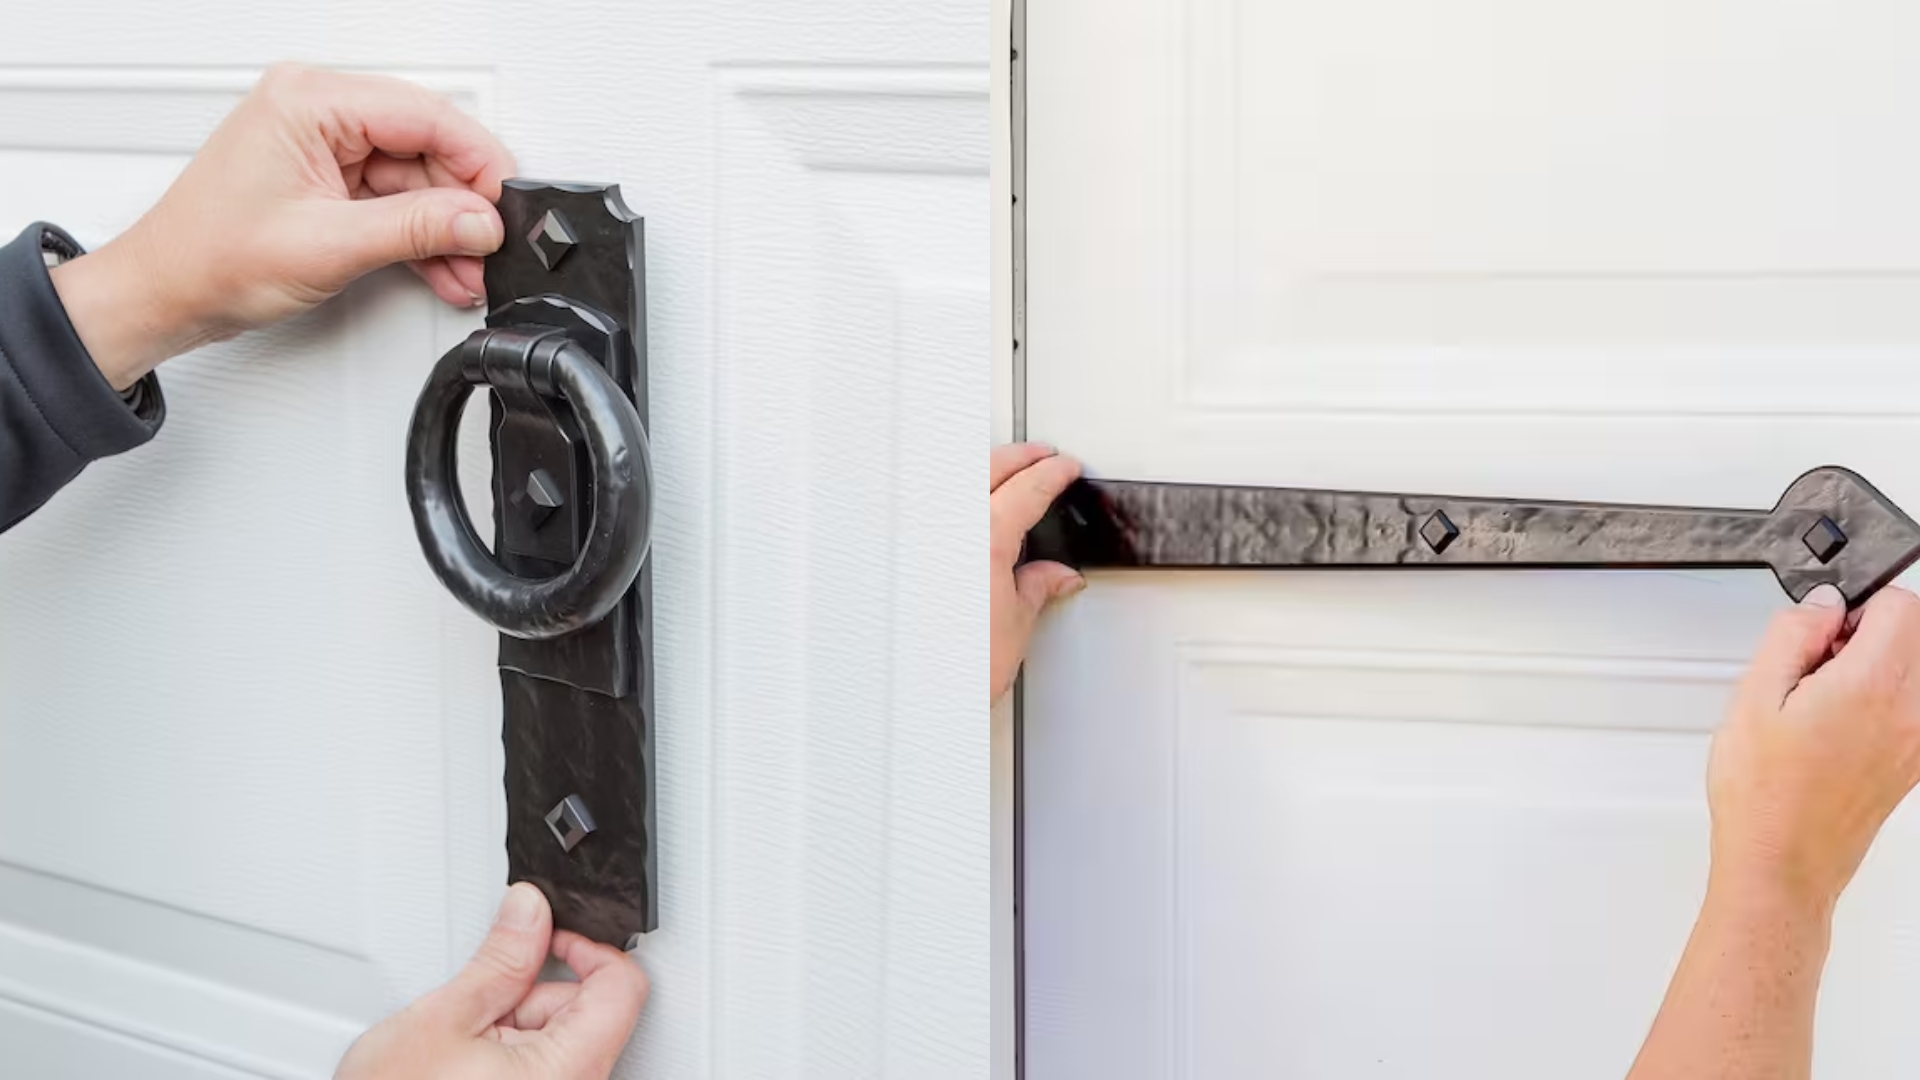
pixel 618 530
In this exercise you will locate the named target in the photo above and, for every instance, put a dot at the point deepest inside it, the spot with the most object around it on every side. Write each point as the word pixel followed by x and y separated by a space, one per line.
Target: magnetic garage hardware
pixel 568 582
pixel 1831 527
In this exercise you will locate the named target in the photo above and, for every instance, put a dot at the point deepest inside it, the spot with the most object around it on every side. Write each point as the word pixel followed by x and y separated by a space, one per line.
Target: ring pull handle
pixel 619 530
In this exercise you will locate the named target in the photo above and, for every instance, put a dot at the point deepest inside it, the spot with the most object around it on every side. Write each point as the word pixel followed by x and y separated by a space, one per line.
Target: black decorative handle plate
pixel 569 579
pixel 1831 527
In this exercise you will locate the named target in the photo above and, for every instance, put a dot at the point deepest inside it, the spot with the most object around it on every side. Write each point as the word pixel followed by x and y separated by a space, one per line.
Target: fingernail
pixel 1074 586
pixel 1824 596
pixel 521 909
pixel 1045 448
pixel 477 299
pixel 474 233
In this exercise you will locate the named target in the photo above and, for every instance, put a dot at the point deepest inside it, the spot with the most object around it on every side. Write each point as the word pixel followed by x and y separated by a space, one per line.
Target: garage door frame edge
pixel 1017 120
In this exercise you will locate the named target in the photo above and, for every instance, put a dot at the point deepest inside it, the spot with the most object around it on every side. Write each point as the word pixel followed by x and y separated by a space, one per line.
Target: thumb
pixel 503 969
pixel 590 1031
pixel 1797 641
pixel 1041 583
pixel 1035 585
pixel 418 224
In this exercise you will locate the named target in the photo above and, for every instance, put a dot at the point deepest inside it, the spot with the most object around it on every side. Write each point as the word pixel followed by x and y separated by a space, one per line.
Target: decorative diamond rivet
pixel 570 822
pixel 1825 539
pixel 1439 531
pixel 543 497
pixel 551 239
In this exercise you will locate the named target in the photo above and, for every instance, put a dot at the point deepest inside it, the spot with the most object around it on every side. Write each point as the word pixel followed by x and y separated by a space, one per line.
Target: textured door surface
pixel 250 769
pixel 1425 825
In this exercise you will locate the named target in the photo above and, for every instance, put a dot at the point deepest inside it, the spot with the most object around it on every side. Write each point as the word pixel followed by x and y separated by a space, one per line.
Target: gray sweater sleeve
pixel 57 412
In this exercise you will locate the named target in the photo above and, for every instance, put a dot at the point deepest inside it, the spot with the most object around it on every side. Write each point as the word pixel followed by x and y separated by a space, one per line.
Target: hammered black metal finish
pixel 1831 527
pixel 564 355
pixel 560 741
pixel 535 365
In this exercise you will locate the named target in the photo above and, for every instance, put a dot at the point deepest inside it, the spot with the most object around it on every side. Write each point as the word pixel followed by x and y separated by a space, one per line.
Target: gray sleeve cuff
pixel 57 412
pixel 65 380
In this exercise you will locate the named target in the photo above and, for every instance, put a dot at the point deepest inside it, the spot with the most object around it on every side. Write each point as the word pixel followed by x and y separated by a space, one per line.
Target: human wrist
pixel 1772 888
pixel 125 310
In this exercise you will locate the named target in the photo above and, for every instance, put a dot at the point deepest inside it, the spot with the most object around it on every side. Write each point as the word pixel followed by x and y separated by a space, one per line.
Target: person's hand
pixel 1027 477
pixel 314 179
pixel 1821 744
pixel 492 1022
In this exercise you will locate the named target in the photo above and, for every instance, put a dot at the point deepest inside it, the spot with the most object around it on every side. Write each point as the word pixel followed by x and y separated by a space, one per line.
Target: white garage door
pixel 1412 824
pixel 250 766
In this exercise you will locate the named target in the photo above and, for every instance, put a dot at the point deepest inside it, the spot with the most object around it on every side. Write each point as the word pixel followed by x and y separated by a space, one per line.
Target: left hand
pixel 1026 478
pixel 314 179
pixel 493 1022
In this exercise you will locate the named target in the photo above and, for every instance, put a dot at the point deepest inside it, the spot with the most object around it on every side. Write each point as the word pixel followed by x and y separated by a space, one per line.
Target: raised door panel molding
pixel 75 1050
pixel 1292 241
pixel 1335 875
pixel 1366 229
pixel 848 809
pixel 1275 768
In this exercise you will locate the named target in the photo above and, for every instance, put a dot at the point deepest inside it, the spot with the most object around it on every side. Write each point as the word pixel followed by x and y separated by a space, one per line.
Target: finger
pixel 541 1003
pixel 382 174
pixel 1041 583
pixel 1020 502
pixel 367 234
pixel 503 969
pixel 471 274
pixel 589 958
pixel 445 282
pixel 1888 635
pixel 458 279
pixel 385 174
pixel 1796 642
pixel 591 1030
pixel 1847 626
pixel 1013 457
pixel 366 113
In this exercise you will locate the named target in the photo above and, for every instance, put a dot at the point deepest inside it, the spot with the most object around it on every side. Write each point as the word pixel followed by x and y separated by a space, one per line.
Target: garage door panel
pixel 1551 137
pixel 278 813
pixel 1399 855
pixel 1872 979
pixel 1398 823
pixel 1267 214
pixel 1402 823
pixel 328 757
pixel 1332 824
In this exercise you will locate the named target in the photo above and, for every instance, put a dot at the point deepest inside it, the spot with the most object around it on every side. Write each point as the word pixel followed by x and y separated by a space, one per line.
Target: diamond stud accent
pixel 1439 531
pixel 1825 539
pixel 543 497
pixel 570 822
pixel 551 239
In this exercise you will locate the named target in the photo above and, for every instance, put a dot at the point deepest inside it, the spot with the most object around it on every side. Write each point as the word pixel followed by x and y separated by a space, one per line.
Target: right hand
pixel 1821 744
pixel 493 1021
